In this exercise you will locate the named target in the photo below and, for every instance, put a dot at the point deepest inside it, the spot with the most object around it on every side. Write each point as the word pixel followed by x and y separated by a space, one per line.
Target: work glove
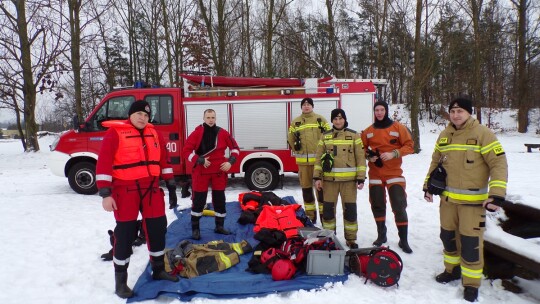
pixel 497 201
pixel 200 160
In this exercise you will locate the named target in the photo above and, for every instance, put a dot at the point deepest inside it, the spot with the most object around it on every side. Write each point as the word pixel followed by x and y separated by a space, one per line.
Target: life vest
pixel 132 161
pixel 249 201
pixel 279 217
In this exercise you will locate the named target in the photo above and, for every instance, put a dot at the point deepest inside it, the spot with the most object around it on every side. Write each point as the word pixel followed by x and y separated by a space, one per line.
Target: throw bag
pixel 380 265
pixel 437 180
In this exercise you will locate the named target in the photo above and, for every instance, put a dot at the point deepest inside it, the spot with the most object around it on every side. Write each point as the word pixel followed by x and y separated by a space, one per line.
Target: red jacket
pixel 125 155
pixel 279 217
pixel 215 156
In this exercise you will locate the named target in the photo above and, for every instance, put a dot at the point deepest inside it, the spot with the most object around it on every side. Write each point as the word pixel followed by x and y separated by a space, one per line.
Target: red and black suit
pixel 210 143
pixel 129 166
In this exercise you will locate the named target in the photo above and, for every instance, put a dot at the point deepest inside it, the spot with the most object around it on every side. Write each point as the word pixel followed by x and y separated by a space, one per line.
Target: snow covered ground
pixel 52 238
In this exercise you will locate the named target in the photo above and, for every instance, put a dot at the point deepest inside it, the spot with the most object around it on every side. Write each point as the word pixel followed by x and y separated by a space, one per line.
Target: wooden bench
pixel 532 146
pixel 523 221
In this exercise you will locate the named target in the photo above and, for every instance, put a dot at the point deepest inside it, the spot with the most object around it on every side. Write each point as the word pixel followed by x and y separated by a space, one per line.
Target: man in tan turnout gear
pixel 477 173
pixel 340 169
pixel 304 134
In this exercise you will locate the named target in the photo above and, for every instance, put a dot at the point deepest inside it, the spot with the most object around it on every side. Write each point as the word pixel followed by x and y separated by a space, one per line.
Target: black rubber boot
pixel 120 288
pixel 403 244
pixel 446 277
pixel 470 293
pixel 381 234
pixel 195 227
pixel 185 189
pixel 159 273
pixel 352 244
pixel 220 221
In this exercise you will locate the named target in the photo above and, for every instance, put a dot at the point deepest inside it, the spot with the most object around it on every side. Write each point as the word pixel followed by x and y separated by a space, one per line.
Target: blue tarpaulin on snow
pixel 234 282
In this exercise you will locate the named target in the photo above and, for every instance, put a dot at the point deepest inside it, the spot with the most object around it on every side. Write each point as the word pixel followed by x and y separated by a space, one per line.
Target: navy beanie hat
pixel 138 106
pixel 381 103
pixel 308 100
pixel 461 102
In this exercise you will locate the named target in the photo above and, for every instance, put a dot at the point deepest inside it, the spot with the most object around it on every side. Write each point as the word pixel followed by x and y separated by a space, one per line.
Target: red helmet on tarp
pixel 283 269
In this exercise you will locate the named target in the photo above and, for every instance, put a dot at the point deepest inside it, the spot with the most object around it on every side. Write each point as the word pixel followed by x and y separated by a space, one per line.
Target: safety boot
pixel 120 287
pixel 403 244
pixel 470 293
pixel 220 221
pixel 159 273
pixel 381 234
pixel 446 277
pixel 195 227
pixel 352 244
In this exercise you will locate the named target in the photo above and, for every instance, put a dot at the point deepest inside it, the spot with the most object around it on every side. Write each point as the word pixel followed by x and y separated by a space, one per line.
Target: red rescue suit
pixel 130 163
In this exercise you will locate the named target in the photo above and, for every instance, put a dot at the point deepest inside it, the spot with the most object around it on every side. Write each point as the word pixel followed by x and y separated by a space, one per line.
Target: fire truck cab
pixel 256 115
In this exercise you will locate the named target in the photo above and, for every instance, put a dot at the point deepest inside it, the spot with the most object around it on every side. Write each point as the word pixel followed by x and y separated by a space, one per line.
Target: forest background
pixel 59 57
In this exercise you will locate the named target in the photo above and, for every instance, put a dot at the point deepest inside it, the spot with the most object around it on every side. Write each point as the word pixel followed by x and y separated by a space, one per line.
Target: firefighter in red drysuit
pixel 392 141
pixel 131 160
pixel 205 148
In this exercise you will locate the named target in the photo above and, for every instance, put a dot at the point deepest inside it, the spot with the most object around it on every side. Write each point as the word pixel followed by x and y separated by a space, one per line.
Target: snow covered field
pixel 52 238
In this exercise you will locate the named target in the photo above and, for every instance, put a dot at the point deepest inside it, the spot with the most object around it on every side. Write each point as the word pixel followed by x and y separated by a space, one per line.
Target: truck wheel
pixel 261 176
pixel 82 178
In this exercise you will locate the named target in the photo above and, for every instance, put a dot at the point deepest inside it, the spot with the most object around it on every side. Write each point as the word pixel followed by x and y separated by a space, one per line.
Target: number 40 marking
pixel 171 147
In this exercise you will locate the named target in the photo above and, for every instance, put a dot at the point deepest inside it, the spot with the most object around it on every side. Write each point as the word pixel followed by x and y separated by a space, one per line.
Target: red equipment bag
pixel 380 265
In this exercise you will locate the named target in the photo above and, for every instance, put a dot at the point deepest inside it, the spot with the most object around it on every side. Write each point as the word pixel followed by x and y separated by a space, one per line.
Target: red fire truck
pixel 256 111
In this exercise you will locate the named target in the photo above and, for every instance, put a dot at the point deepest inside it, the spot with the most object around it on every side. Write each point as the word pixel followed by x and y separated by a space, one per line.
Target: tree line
pixel 70 53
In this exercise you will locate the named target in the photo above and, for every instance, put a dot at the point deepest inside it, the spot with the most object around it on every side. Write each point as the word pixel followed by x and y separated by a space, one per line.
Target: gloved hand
pixel 494 200
pixel 437 181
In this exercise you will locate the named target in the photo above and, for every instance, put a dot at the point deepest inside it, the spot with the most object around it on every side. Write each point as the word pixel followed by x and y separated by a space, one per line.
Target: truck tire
pixel 261 176
pixel 82 178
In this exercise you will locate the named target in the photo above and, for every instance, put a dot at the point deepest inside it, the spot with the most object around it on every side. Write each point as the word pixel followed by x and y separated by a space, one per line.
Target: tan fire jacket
pixel 475 162
pixel 308 128
pixel 346 148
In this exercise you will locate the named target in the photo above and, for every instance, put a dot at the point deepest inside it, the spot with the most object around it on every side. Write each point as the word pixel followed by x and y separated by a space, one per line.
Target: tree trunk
pixel 269 39
pixel 29 89
pixel 75 30
pixel 416 78
pixel 522 79
pixel 167 42
pixel 332 38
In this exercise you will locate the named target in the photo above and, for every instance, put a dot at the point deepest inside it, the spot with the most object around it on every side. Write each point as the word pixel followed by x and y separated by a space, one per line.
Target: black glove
pixel 327 162
pixel 200 160
pixel 497 201
pixel 378 162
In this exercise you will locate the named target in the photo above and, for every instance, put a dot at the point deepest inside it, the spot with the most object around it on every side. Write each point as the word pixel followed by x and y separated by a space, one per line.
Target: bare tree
pixel 35 55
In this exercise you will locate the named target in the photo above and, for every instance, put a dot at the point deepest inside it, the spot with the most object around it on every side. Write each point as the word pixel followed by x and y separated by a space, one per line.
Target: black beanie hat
pixel 140 105
pixel 336 112
pixel 381 103
pixel 308 100
pixel 461 102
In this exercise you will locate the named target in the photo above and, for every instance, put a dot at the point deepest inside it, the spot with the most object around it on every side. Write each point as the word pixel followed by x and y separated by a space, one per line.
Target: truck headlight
pixel 54 143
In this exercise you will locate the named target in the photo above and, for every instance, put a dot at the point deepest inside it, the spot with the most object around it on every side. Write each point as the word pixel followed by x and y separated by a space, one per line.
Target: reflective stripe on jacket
pixel 475 163
pixel 347 150
pixel 309 128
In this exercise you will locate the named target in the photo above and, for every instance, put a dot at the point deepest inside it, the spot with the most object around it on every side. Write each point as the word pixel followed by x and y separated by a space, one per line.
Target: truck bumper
pixel 57 163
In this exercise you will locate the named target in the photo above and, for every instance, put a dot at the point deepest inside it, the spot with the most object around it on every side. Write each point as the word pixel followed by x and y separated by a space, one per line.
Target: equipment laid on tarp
pixel 234 282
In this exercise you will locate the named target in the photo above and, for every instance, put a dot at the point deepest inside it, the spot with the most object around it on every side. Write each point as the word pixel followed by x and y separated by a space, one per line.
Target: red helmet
pixel 283 269
pixel 268 257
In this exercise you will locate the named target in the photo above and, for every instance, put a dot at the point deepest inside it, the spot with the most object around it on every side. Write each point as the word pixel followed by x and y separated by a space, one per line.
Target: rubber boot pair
pixel 196 228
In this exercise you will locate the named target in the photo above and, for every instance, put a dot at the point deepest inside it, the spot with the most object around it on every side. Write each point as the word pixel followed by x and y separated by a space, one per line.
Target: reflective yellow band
pixel 494 146
pixel 225 259
pixel 466 197
pixel 456 147
pixel 497 183
pixel 451 259
pixel 236 247
pixel 471 273
pixel 305 160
